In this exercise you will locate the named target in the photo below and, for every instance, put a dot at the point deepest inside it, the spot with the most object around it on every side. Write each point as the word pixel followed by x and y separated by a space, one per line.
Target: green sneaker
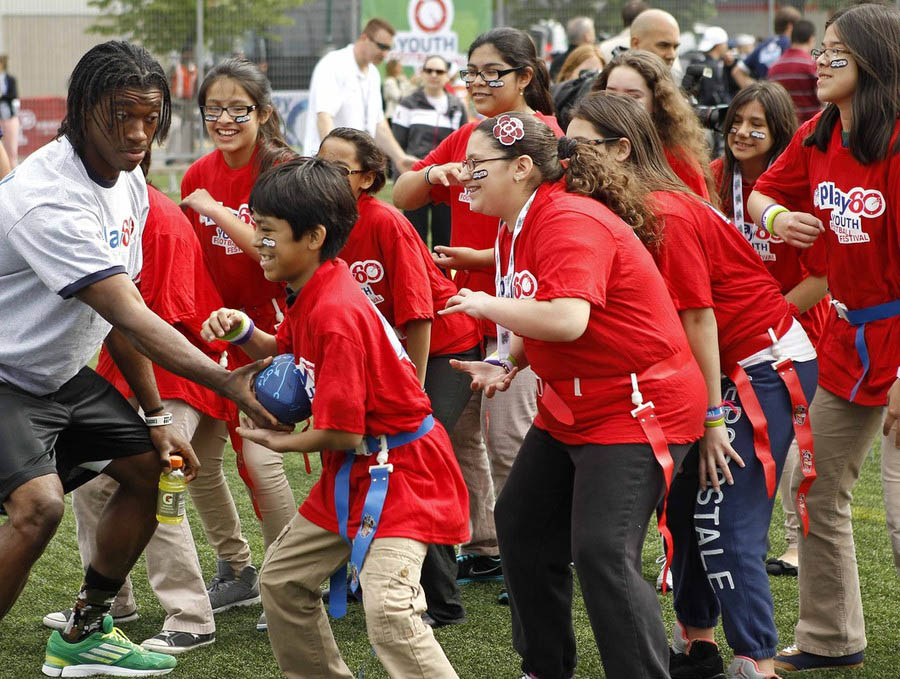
pixel 103 653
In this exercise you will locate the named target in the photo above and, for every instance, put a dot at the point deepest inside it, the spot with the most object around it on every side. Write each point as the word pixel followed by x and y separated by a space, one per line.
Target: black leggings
pixel 449 392
pixel 591 504
pixel 440 223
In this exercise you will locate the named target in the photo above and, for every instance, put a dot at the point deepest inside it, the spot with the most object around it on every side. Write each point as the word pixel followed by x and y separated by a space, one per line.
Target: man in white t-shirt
pixel 345 91
pixel 71 218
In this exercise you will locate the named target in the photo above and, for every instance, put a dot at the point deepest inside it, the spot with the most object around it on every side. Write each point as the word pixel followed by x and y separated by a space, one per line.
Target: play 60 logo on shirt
pixel 123 235
pixel 222 239
pixel 366 272
pixel 848 209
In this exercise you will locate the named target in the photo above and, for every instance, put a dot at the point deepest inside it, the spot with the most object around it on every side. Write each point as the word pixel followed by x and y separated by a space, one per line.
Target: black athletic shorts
pixel 86 422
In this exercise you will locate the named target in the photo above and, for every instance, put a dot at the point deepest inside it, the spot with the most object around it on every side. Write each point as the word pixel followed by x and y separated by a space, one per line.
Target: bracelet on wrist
pixel 242 333
pixel 163 420
pixel 715 412
pixel 427 173
pixel 718 422
pixel 154 411
pixel 767 219
pixel 507 363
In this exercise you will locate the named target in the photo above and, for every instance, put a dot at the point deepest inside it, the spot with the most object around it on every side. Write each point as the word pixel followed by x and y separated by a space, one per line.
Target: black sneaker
pixel 434 624
pixel 503 597
pixel 702 661
pixel 174 643
pixel 227 590
pixel 478 568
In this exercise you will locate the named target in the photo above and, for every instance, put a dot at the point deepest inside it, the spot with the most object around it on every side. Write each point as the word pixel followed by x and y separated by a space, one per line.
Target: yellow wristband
pixel 769 217
pixel 709 424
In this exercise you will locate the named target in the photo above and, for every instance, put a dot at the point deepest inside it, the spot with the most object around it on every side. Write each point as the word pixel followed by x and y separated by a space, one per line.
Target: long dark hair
pixel 587 172
pixel 368 155
pixel 272 146
pixel 105 69
pixel 872 35
pixel 678 127
pixel 517 48
pixel 617 115
pixel 781 118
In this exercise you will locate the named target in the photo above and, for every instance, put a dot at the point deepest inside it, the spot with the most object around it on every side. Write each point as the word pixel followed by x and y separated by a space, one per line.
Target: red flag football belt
pixel 799 415
pixel 644 413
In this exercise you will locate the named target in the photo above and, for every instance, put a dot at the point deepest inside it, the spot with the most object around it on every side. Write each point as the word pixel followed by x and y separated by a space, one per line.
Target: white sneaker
pixel 746 668
pixel 60 619
pixel 261 624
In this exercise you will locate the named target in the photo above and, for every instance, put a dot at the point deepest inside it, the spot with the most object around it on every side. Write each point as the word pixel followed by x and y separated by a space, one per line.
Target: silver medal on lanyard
pixel 504 283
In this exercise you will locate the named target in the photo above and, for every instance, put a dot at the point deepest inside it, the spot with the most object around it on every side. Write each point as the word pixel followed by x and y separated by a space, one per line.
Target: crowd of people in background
pixel 628 282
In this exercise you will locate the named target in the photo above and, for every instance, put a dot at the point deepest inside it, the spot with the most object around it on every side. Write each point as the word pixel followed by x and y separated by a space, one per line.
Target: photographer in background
pixel 708 81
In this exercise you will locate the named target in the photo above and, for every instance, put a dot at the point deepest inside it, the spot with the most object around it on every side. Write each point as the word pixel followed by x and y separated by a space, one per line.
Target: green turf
pixel 480 649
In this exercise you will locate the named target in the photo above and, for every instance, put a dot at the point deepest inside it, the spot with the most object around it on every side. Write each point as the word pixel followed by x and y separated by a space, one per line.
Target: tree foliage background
pixel 164 26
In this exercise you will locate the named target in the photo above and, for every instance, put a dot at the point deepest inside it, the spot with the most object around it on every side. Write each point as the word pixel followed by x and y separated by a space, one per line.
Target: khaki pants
pixel 172 565
pixel 792 528
pixel 831 615
pixel 301 559
pixel 486 441
pixel 271 490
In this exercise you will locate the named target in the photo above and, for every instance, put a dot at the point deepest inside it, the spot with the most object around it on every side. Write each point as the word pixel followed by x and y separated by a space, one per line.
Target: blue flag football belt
pixel 371 513
pixel 859 318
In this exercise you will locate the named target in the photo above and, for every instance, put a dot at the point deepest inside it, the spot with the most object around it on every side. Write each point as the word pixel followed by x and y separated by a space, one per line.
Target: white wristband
pixel 162 420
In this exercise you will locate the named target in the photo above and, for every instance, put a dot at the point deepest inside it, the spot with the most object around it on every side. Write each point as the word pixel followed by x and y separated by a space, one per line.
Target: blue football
pixel 281 389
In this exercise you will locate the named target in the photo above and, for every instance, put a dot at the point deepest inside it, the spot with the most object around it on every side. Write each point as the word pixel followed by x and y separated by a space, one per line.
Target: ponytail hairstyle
pixel 587 172
pixel 270 141
pixel 674 119
pixel 781 118
pixel 368 155
pixel 517 48
pixel 871 33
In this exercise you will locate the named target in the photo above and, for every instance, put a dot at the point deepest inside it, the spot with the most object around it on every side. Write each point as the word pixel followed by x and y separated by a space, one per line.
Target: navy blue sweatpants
pixel 720 536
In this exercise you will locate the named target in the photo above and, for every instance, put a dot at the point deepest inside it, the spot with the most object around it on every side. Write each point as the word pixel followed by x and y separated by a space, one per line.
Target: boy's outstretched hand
pixel 486 377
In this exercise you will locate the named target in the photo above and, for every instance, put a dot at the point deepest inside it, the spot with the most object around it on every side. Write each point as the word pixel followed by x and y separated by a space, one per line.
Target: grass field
pixel 479 649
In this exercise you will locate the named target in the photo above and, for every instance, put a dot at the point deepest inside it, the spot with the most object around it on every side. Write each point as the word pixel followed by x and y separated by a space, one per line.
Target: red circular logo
pixel 430 15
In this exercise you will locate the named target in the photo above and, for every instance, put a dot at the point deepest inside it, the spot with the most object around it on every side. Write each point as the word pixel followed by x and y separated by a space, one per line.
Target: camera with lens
pixel 711 116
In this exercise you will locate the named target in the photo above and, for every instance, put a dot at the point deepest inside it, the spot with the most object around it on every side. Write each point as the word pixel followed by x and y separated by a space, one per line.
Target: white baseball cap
pixel 712 36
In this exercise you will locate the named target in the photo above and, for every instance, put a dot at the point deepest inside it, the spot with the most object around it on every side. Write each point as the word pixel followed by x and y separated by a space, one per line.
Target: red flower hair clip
pixel 508 130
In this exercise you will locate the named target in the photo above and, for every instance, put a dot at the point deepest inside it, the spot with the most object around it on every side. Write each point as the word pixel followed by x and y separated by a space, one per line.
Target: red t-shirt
pixel 574 246
pixel 688 171
pixel 707 263
pixel 238 278
pixel 858 206
pixel 361 385
pixel 788 265
pixel 393 267
pixel 176 286
pixel 469 229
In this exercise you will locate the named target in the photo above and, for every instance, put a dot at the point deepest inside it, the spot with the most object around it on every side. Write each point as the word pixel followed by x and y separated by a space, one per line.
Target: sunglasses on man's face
pixel 434 71
pixel 384 47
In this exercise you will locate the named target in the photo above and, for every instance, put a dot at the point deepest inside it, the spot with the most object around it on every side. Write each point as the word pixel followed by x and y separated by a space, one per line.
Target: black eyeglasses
pixel 239 114
pixel 471 163
pixel 488 74
pixel 597 142
pixel 829 52
pixel 434 71
pixel 384 47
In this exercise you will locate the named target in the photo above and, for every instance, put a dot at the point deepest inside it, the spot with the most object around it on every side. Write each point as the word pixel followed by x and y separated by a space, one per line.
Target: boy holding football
pixel 390 483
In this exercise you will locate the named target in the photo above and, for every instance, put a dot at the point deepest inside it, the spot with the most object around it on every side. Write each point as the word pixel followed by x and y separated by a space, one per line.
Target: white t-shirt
pixel 440 103
pixel 60 231
pixel 350 96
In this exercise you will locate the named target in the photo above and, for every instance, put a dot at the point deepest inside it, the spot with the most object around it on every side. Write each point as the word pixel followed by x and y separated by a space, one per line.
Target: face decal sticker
pixel 495 83
pixel 838 63
pixel 756 134
pixel 268 243
pixel 479 174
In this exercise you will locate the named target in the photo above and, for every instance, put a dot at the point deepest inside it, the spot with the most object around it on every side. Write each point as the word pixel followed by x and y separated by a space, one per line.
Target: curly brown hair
pixel 588 172
pixel 678 127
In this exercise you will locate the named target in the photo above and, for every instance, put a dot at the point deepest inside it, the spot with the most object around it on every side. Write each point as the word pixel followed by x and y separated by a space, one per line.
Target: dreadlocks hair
pixel 103 71
pixel 271 143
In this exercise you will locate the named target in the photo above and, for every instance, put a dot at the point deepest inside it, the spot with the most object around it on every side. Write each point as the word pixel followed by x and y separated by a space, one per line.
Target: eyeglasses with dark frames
pixel 488 74
pixel 434 71
pixel 829 52
pixel 471 163
pixel 239 114
pixel 347 171
pixel 597 142
pixel 383 46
